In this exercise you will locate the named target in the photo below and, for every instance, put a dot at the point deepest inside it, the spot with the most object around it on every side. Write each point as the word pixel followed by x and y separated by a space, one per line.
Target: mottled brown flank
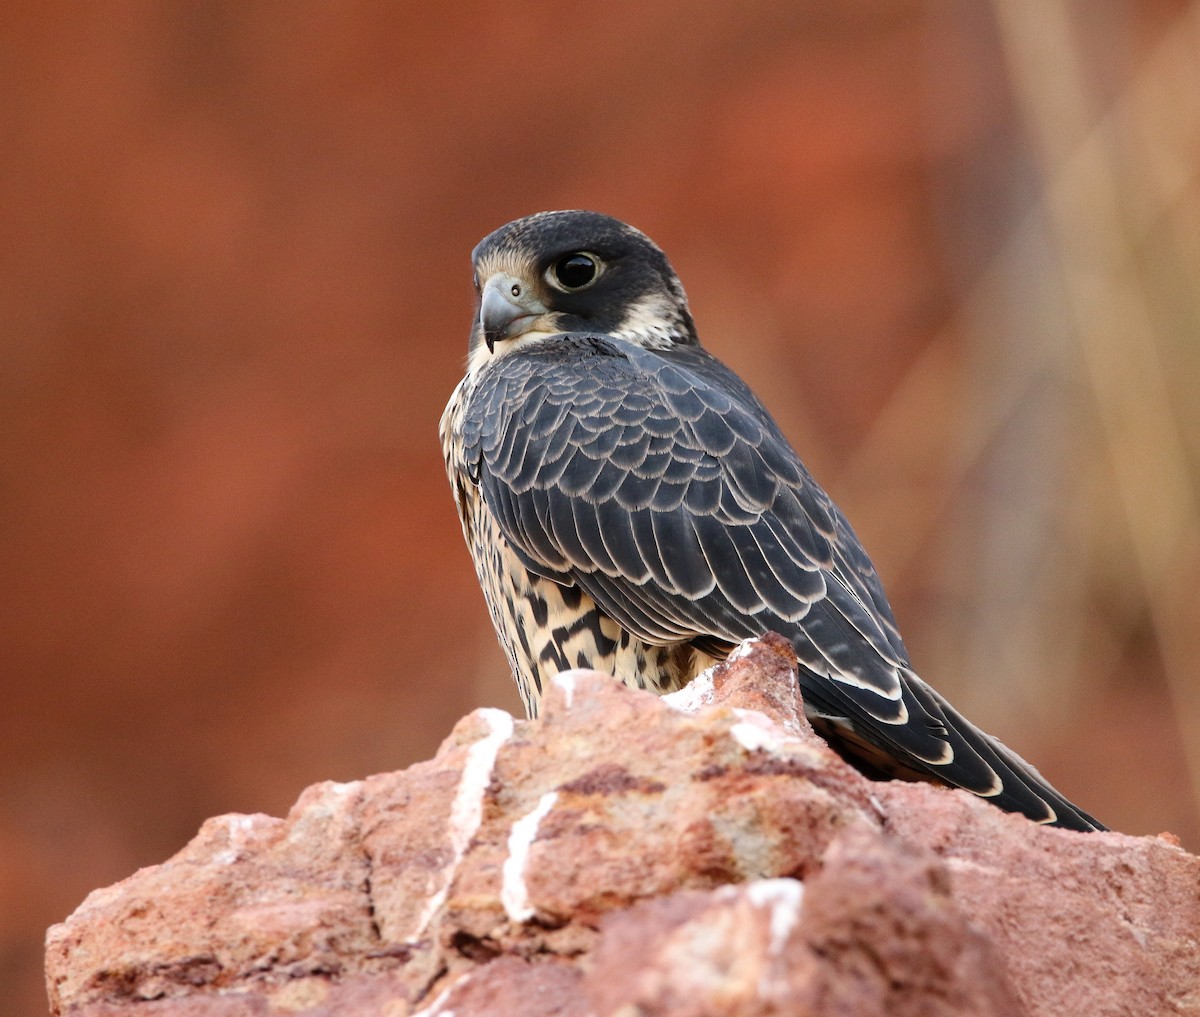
pixel 546 628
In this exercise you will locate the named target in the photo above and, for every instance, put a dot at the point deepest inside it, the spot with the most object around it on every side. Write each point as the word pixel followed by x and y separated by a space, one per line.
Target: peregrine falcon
pixel 631 506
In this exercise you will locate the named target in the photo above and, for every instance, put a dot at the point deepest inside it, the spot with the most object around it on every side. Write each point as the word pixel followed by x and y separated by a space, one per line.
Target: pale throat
pixel 480 357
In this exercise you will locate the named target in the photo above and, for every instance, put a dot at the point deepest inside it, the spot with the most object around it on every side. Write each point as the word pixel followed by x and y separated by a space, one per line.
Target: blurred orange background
pixel 955 246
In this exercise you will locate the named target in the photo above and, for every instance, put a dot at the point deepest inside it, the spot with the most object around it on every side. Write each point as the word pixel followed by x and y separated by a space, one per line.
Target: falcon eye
pixel 574 271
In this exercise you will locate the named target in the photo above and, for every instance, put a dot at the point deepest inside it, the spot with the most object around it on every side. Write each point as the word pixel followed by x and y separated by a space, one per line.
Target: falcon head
pixel 570 272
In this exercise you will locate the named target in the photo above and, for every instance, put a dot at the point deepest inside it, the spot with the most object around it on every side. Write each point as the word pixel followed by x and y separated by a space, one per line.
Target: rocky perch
pixel 703 854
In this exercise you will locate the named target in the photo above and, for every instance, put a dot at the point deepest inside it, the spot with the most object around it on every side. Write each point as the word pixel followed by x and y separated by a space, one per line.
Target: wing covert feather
pixel 599 457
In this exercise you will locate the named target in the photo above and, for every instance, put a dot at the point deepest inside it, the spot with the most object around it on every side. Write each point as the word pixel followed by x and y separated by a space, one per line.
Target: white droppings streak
pixel 514 894
pixel 754 731
pixel 238 827
pixel 742 650
pixel 783 897
pixel 434 1009
pixel 695 695
pixel 700 691
pixel 975 868
pixel 565 680
pixel 466 812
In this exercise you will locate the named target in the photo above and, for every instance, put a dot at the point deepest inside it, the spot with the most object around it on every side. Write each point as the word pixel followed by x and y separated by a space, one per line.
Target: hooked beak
pixel 507 308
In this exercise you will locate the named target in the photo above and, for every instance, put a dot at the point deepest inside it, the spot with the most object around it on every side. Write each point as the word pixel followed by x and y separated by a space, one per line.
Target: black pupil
pixel 575 270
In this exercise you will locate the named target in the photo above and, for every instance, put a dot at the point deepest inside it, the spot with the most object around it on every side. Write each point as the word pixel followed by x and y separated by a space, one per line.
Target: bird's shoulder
pixel 600 394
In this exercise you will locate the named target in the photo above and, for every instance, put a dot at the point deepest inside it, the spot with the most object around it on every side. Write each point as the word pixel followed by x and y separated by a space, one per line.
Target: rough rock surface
pixel 705 854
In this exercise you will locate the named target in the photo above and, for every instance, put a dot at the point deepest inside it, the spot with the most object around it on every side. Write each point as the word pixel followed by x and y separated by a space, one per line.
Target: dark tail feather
pixel 1023 789
pixel 978 762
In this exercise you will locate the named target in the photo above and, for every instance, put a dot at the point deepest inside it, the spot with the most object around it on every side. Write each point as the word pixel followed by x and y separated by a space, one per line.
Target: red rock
pixel 705 853
pixel 874 932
